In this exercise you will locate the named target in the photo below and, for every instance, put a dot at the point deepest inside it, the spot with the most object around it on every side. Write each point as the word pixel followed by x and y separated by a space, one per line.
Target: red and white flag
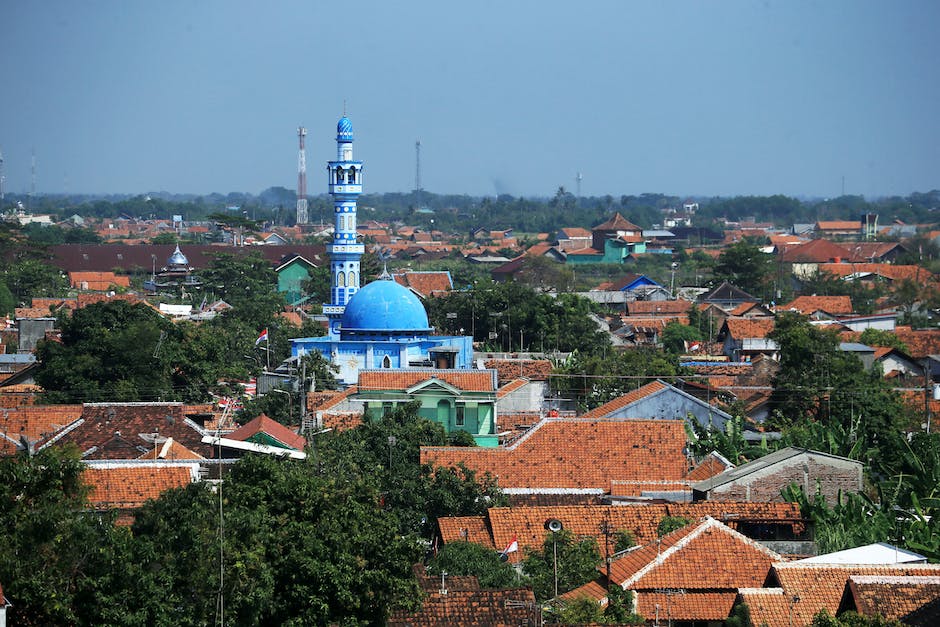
pixel 694 346
pixel 513 547
pixel 262 338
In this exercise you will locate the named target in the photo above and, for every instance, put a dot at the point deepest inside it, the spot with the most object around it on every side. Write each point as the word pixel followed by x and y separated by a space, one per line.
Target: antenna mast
pixel 2 177
pixel 577 181
pixel 302 217
pixel 32 183
pixel 417 166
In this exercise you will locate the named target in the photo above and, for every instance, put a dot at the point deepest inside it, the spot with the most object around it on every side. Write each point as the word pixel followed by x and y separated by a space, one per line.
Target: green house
pixel 458 400
pixel 291 275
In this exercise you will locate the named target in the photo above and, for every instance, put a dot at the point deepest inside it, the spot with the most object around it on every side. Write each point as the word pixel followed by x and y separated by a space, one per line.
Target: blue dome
pixel 383 306
pixel 344 130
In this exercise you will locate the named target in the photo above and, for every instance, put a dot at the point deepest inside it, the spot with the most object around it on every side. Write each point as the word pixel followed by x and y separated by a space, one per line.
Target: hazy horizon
pixel 693 99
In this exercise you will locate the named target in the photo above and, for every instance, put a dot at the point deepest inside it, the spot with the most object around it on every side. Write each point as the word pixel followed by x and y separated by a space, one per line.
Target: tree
pixel 832 392
pixel 32 278
pixel 58 561
pixel 577 559
pixel 302 545
pixel 108 352
pixel 744 265
pixel 676 337
pixel 595 379
pixel 467 558
pixel 668 524
pixel 247 283
pixel 879 337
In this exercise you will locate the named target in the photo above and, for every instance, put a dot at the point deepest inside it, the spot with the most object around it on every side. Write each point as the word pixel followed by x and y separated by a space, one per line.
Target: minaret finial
pixel 344 107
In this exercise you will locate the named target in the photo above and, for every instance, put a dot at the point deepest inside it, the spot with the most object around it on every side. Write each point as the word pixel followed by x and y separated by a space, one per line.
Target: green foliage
pixel 623 540
pixel 577 560
pixel 729 442
pixel 668 524
pixel 744 265
pixel 675 336
pixel 462 438
pixel 164 238
pixel 822 394
pixel 520 318
pixel 740 616
pixel 302 545
pixel 248 284
pixel 851 619
pixel 594 379
pixel 619 608
pixel 880 337
pixel 57 560
pixel 582 610
pixel 467 558
pixel 7 302
pixel 863 295
pixel 418 495
pixel 32 278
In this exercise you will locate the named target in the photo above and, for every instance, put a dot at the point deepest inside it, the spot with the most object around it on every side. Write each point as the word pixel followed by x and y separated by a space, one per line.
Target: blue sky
pixel 704 98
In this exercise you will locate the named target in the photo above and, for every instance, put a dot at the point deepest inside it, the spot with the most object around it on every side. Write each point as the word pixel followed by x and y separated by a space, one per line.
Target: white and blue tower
pixel 345 181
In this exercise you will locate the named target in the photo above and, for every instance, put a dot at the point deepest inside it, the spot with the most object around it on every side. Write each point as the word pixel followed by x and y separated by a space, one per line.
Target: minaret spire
pixel 345 185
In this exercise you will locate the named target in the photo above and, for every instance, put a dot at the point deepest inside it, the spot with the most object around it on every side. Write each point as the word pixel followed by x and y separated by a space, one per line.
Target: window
pixel 352 175
pixel 341 279
pixel 459 421
pixel 386 362
pixel 386 408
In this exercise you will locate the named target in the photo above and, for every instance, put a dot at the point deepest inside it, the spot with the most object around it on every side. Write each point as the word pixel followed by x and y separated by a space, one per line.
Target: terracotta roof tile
pixel 685 606
pixel 128 487
pixel 834 305
pixel 526 524
pixel 171 449
pixel 817 587
pixel 839 225
pixel 712 465
pixel 752 328
pixel 471 607
pixel 271 428
pixel 617 223
pixel 426 283
pixel 125 430
pixel 509 369
pixel 576 453
pixel 897 598
pixel 657 307
pixel 888 270
pixel 36 422
pixel 576 231
pixel 467 380
pixel 98 281
pixel 818 251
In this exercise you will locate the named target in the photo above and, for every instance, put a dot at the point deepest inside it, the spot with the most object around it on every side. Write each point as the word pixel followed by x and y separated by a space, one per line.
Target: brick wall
pixel 806 471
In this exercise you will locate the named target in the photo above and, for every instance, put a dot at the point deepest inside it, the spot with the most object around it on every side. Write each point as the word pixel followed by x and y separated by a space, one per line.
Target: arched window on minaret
pixel 341 279
pixel 352 278
pixel 340 175
pixel 352 175
pixel 386 362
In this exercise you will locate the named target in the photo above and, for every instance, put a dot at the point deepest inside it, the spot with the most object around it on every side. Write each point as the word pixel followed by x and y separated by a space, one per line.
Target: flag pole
pixel 267 348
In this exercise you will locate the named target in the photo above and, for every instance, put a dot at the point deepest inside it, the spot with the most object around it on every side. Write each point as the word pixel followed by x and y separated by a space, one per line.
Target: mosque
pixel 382 324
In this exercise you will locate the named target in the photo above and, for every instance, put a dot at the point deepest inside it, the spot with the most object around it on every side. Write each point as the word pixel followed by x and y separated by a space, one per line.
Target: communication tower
pixel 577 181
pixel 302 217
pixel 2 177
pixel 417 166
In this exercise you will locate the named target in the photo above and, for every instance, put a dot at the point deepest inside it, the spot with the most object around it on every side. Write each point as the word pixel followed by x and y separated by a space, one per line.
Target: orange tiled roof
pixel 576 231
pixel 129 486
pixel 830 304
pixel 712 465
pixel 97 281
pixel 655 307
pixel 467 380
pixel 271 428
pixel 617 223
pixel 889 270
pixel 527 524
pixel 817 251
pixel 839 225
pixel 920 343
pixel 817 587
pixel 895 598
pixel 627 399
pixel 171 449
pixel 36 422
pixel 741 328
pixel 687 606
pixel 510 369
pixel 425 283
pixel 576 453
pixel 462 602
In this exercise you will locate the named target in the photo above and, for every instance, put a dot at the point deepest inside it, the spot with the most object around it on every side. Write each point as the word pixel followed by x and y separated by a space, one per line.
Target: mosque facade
pixel 382 324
